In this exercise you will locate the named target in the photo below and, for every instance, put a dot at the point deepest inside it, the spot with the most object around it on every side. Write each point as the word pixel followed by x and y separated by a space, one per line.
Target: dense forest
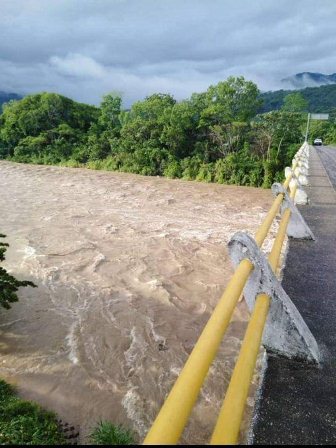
pixel 214 136
pixel 319 99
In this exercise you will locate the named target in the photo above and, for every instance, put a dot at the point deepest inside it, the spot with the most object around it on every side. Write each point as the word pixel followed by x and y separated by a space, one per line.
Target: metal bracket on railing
pixel 296 178
pixel 301 197
pixel 286 333
pixel 297 226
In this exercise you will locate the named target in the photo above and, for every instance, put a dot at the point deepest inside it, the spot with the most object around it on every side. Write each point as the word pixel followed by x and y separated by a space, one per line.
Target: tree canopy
pixel 213 136
pixel 295 102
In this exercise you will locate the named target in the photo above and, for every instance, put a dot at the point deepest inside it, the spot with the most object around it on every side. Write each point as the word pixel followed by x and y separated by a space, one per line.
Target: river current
pixel 128 270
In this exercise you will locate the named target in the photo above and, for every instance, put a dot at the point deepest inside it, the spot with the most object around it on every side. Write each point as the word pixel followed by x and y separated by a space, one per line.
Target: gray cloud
pixel 85 48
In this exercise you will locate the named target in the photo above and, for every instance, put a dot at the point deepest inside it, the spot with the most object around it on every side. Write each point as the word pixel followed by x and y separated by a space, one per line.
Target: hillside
pixel 308 79
pixel 320 99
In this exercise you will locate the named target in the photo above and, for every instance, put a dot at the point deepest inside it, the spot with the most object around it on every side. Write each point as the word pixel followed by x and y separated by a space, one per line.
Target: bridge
pixel 294 317
pixel 298 402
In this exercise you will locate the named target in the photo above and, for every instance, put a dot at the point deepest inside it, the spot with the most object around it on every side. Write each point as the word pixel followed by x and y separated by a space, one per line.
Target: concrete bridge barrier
pixel 285 334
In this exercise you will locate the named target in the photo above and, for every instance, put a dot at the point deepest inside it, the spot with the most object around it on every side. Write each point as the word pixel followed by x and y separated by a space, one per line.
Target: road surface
pixel 328 157
pixel 298 402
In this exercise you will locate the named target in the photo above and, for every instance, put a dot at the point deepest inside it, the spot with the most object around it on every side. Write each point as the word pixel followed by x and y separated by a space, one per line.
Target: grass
pixel 26 423
pixel 106 433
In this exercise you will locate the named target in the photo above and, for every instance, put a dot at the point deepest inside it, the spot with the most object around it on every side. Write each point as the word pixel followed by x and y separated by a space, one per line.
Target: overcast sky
pixel 85 48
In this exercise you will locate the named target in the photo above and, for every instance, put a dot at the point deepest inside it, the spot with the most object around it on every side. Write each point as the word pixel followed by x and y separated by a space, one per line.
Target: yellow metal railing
pixel 173 416
pixel 228 424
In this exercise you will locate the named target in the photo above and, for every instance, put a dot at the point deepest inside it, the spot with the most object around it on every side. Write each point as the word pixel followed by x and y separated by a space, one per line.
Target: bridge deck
pixel 298 403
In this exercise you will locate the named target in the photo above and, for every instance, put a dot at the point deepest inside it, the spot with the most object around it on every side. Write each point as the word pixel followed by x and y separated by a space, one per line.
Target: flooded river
pixel 128 270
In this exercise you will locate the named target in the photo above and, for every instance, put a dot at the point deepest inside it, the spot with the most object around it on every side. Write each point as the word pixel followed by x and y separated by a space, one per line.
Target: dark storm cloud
pixel 84 48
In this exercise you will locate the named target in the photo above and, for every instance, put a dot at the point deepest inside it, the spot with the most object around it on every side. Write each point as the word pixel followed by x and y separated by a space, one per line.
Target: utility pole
pixel 308 120
pixel 315 117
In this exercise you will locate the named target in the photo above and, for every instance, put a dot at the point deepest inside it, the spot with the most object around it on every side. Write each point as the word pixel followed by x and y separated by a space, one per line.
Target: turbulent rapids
pixel 128 270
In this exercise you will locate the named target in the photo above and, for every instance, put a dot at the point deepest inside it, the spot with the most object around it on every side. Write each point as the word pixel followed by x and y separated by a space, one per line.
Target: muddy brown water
pixel 128 270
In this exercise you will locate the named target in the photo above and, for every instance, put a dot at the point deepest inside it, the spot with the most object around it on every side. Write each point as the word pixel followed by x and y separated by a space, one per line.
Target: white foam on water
pixel 154 284
pixel 72 343
pixel 157 337
pixel 98 260
pixel 136 349
pixel 8 324
pixel 133 404
pixel 28 251
pixel 176 370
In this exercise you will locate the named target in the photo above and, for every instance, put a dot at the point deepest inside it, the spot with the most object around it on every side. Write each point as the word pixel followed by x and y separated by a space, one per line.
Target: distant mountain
pixel 308 79
pixel 320 99
pixel 4 97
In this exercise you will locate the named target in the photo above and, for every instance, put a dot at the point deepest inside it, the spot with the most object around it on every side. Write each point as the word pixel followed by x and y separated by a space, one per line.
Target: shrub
pixel 106 433
pixel 270 169
pixel 256 175
pixel 190 167
pixel 111 163
pixel 206 173
pixel 95 164
pixel 26 423
pixel 224 169
pixel 173 169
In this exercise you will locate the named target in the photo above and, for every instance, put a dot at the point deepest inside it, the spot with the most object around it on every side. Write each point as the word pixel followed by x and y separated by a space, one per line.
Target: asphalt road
pixel 328 157
pixel 298 401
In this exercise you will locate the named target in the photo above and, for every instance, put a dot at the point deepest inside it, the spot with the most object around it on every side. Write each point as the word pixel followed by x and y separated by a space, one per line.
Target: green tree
pixel 295 102
pixel 145 122
pixel 180 132
pixel 276 129
pixel 110 109
pixel 232 100
pixel 228 137
pixel 158 136
pixel 230 105
pixel 39 113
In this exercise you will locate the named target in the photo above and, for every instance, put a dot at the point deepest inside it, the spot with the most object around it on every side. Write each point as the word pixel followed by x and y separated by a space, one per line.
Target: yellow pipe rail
pixel 228 424
pixel 172 418
pixel 226 431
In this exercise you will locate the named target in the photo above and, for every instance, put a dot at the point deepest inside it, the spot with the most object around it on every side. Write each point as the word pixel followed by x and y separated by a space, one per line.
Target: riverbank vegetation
pixel 106 433
pixel 214 136
pixel 26 423
pixel 9 285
